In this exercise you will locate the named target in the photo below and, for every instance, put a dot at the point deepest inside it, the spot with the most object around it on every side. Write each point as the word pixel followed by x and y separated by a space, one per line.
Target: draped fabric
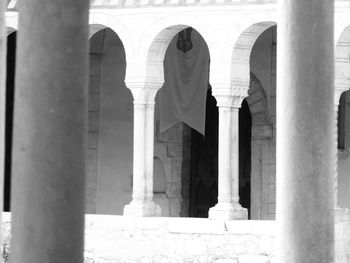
pixel 183 95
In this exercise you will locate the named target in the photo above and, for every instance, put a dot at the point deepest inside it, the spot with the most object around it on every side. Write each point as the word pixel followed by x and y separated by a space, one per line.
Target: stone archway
pixel 110 126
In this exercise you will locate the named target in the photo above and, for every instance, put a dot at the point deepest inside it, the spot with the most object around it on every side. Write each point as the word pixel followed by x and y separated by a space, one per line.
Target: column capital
pixel 143 93
pixel 230 96
pixel 229 101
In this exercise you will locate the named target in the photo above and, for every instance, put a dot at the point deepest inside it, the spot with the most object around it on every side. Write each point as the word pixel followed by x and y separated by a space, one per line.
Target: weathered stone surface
pixel 111 239
pixel 305 125
pixel 49 132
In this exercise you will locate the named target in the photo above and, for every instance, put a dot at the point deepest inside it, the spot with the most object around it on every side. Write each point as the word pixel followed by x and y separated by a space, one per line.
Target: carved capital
pixel 143 93
pixel 230 96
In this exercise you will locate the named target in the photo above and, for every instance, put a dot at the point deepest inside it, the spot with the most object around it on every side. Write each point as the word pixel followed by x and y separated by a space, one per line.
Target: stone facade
pixel 231 32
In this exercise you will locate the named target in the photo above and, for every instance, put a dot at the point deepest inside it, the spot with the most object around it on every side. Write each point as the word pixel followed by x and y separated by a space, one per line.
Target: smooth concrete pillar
pixel 305 126
pixel 3 48
pixel 142 203
pixel 228 206
pixel 50 117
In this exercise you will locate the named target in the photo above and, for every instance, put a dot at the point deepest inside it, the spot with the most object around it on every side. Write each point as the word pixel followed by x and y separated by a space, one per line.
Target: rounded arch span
pixel 155 41
pixel 241 41
pixel 257 102
pixel 99 21
pixel 342 53
pixel 341 22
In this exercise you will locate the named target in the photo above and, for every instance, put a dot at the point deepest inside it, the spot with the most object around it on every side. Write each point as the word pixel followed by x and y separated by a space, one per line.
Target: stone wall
pixel 263 173
pixel 93 121
pixel 172 147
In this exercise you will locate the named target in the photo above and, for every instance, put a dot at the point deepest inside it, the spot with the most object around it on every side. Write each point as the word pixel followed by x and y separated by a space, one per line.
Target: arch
pixel 257 102
pixel 341 22
pixel 99 21
pixel 241 41
pixel 342 55
pixel 154 42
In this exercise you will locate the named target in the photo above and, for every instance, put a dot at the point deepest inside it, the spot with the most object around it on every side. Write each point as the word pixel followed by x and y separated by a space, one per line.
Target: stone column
pixel 142 203
pixel 305 121
pixel 3 47
pixel 228 206
pixel 50 119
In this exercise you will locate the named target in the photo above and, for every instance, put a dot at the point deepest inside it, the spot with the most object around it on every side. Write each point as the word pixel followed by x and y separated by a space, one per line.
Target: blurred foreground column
pixel 49 132
pixel 305 148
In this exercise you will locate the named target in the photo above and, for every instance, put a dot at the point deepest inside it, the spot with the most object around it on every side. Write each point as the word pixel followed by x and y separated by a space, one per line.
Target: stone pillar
pixel 142 203
pixel 3 47
pixel 305 120
pixel 341 214
pixel 50 118
pixel 228 206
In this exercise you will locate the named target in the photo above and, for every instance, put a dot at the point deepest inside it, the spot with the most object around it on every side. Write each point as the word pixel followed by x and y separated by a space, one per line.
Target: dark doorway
pixel 10 90
pixel 245 135
pixel 204 163
pixel 204 160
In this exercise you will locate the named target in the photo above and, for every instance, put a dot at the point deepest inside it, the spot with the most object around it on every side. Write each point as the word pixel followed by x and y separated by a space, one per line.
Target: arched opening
pixel 110 127
pixel 10 91
pixel 342 82
pixel 344 150
pixel 204 163
pixel 341 125
pixel 184 102
pixel 262 106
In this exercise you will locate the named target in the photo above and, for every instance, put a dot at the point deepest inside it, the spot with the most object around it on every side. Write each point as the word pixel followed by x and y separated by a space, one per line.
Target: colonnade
pixel 50 123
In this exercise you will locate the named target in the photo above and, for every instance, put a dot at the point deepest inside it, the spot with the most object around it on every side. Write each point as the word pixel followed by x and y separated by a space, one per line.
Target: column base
pixel 341 215
pixel 228 212
pixel 142 209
